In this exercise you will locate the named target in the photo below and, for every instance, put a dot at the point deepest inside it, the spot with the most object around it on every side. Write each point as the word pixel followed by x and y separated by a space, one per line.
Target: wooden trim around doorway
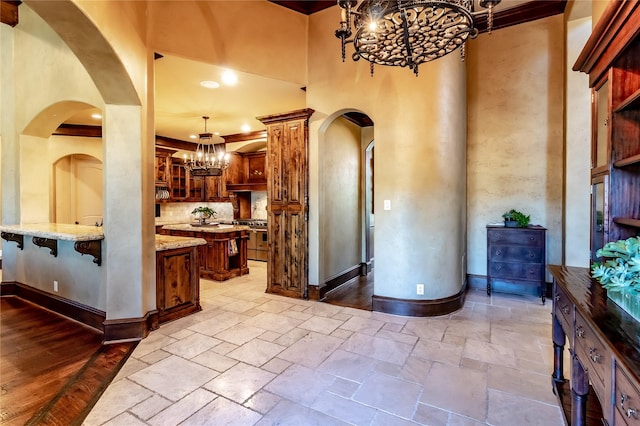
pixel 420 308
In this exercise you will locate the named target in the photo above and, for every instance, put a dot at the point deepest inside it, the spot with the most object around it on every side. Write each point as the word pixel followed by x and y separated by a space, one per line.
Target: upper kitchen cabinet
pixel 163 166
pixel 249 173
pixel 611 57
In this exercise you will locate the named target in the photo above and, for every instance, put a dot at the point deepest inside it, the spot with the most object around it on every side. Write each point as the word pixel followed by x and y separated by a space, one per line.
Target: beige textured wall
pixel 578 156
pixel 270 41
pixel 341 201
pixel 419 162
pixel 515 133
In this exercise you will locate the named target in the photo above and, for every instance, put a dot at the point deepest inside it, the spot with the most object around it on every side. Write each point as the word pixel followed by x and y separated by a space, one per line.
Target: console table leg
pixel 558 350
pixel 579 391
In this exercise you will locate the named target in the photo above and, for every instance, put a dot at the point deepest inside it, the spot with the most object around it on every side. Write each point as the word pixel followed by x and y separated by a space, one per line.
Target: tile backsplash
pixel 182 211
pixel 259 205
pixel 224 211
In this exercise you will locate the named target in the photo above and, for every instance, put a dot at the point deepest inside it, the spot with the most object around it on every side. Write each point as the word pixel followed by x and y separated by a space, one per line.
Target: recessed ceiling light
pixel 210 84
pixel 193 136
pixel 96 116
pixel 229 78
pixel 216 133
pixel 245 127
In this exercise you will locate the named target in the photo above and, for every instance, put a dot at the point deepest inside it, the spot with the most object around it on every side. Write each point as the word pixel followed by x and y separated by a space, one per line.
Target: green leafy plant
pixel 621 269
pixel 204 211
pixel 514 215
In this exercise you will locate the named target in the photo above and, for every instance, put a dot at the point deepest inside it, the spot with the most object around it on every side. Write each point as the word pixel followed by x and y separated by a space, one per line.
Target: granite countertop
pixel 207 228
pixel 168 242
pixel 57 231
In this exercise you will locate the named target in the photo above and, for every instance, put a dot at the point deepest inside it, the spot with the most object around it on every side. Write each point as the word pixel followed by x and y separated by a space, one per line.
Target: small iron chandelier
pixel 210 159
pixel 407 33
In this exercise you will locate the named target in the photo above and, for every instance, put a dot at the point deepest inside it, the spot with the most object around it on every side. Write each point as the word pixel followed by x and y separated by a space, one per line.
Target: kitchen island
pixel 224 255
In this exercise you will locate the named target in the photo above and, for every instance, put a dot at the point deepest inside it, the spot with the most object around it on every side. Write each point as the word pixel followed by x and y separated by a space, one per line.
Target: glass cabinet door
pixel 601 145
pixel 598 216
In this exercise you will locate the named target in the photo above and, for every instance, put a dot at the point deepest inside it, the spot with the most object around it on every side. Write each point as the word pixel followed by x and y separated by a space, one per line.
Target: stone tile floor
pixel 254 358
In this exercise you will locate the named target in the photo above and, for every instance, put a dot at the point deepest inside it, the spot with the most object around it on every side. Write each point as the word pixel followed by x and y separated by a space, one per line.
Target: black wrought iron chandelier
pixel 407 33
pixel 209 159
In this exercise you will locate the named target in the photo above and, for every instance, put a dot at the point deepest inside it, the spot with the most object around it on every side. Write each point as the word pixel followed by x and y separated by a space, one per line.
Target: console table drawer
pixel 563 311
pixel 593 355
pixel 627 400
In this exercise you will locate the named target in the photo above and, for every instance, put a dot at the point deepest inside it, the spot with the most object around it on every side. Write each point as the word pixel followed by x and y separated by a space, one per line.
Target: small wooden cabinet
pixel 177 283
pixel 516 259
pixel 163 166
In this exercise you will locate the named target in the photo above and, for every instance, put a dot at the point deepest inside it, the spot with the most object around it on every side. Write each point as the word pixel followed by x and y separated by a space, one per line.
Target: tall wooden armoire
pixel 287 202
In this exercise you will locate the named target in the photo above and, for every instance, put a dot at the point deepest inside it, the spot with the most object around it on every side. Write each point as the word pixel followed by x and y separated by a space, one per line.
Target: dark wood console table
pixel 605 352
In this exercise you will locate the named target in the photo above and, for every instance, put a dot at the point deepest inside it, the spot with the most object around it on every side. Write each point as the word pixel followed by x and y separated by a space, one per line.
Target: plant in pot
pixel 619 273
pixel 203 213
pixel 515 219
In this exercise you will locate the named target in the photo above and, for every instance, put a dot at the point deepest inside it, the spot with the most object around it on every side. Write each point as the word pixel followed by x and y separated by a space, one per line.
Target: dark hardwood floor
pixel 52 369
pixel 357 293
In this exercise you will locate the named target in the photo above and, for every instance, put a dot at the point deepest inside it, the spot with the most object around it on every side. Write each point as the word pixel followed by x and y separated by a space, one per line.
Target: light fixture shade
pixel 406 33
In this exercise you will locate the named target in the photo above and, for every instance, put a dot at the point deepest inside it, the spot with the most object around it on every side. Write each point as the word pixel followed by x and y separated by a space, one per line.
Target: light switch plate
pixel 387 204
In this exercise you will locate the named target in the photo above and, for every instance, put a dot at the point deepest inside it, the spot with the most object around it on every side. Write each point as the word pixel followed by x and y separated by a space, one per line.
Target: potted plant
pixel 619 274
pixel 203 213
pixel 515 219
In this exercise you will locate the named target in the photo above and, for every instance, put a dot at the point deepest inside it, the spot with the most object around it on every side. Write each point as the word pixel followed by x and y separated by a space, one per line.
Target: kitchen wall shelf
pixel 627 221
pixel 52 245
pixel 630 104
pixel 629 161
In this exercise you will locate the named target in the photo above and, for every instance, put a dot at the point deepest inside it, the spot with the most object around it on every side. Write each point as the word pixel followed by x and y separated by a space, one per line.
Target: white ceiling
pixel 181 101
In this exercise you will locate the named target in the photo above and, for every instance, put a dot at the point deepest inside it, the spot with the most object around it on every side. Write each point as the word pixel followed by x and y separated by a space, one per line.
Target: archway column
pixel 129 248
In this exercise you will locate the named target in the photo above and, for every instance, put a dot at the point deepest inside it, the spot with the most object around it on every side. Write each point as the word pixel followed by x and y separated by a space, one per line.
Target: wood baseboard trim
pixel 118 330
pixel 319 293
pixel 130 329
pixel 71 309
pixel 420 308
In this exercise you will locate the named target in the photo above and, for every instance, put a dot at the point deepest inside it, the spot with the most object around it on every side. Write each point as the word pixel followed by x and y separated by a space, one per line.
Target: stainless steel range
pixel 252 223
pixel 258 245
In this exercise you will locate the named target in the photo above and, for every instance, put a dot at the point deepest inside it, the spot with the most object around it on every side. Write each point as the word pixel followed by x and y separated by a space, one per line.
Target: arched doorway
pixel 346 223
pixel 77 187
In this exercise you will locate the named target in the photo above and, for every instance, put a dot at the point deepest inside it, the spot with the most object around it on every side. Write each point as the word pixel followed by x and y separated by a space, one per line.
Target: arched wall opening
pixel 60 33
pixel 343 242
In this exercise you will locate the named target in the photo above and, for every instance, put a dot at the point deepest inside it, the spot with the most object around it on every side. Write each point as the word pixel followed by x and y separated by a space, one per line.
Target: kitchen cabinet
pixel 179 182
pixel 611 57
pixel 162 170
pixel 516 259
pixel 225 254
pixel 249 172
pixel 177 283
